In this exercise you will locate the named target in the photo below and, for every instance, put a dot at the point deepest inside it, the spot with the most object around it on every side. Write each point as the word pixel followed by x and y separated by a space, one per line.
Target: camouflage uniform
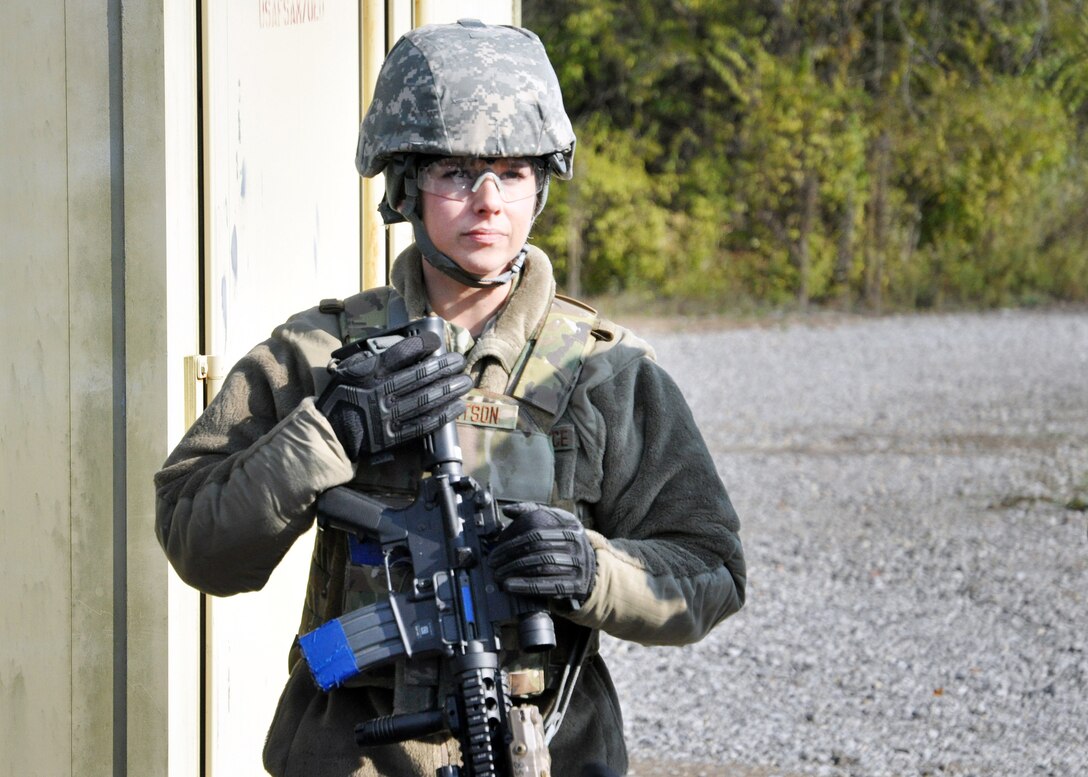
pixel 241 485
pixel 627 458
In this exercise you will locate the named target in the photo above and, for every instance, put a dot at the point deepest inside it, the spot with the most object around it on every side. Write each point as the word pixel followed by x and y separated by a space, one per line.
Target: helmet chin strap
pixel 444 264
pixel 440 261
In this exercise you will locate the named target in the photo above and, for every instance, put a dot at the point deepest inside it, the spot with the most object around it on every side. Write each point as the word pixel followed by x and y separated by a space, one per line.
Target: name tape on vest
pixel 497 415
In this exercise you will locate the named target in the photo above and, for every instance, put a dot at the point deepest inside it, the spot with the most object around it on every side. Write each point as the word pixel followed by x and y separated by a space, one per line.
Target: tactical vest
pixel 510 441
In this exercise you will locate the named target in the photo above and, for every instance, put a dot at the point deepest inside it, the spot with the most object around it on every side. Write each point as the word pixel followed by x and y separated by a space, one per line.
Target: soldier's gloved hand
pixel 376 402
pixel 544 551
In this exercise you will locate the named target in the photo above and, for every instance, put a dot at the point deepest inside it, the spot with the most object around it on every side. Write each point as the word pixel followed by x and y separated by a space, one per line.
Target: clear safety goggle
pixel 455 178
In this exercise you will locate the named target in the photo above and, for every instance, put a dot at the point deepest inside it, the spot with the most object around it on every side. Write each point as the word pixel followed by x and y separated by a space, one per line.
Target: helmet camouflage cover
pixel 467 89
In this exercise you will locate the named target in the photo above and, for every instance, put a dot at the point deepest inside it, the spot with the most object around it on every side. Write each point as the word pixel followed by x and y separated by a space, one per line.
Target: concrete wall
pixel 97 160
pixel 56 672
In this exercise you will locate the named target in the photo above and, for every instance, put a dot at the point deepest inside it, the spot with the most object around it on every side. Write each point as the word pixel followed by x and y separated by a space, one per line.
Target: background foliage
pixel 881 154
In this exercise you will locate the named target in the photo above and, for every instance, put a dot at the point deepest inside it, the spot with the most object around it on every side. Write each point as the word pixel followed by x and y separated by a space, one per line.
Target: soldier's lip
pixel 484 235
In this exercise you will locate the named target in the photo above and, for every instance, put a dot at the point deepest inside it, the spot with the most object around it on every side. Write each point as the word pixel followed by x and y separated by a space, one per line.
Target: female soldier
pixel 567 415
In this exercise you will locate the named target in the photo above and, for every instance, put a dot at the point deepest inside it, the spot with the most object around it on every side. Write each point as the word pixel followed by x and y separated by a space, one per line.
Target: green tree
pixel 886 152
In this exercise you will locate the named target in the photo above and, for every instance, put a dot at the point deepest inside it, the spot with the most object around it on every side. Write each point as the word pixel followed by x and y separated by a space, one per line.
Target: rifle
pixel 453 609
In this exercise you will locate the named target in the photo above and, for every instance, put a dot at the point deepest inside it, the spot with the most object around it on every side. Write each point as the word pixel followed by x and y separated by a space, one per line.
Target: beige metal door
pixel 284 220
pixel 282 230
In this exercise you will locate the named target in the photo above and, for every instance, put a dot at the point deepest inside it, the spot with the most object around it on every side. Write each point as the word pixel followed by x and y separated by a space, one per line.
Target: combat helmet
pixel 463 89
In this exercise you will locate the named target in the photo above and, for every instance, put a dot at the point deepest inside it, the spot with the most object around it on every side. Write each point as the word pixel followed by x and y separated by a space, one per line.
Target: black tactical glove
pixel 544 551
pixel 376 402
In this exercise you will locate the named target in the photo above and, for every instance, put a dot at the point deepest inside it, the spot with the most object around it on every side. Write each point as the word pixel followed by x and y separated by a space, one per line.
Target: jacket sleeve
pixel 241 485
pixel 670 565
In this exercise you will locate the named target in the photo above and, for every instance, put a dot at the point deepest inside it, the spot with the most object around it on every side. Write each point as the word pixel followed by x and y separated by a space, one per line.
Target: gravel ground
pixel 913 494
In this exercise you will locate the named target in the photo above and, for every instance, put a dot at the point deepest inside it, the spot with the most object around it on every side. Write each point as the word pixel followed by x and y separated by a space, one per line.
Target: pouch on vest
pixel 516 462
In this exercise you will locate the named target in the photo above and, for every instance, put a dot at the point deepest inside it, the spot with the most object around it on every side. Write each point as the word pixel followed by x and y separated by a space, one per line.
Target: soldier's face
pixel 482 233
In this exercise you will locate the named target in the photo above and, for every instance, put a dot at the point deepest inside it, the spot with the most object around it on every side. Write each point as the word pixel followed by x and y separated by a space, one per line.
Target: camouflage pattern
pixel 466 89
pixel 368 313
pixel 551 369
pixel 363 315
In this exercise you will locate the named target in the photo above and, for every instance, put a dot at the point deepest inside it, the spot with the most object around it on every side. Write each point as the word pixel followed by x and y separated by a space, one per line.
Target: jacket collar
pixel 519 319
